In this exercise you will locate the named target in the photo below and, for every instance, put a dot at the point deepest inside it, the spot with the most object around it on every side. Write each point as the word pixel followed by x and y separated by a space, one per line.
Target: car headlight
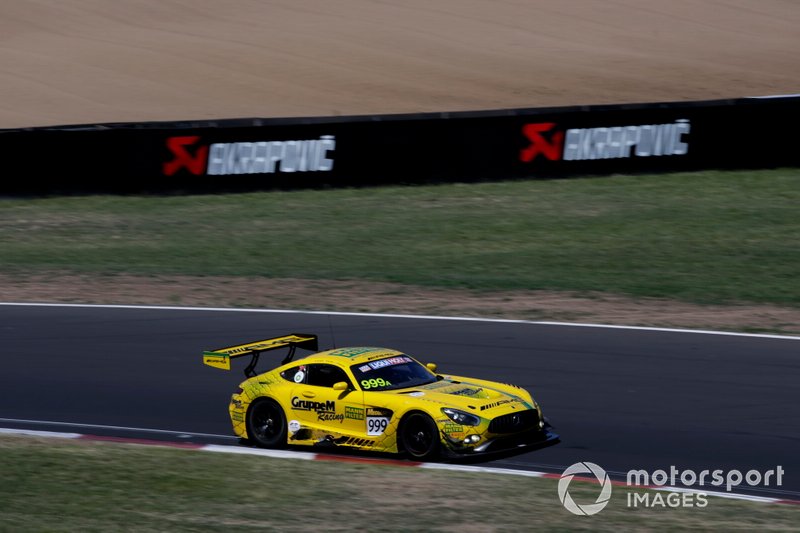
pixel 460 417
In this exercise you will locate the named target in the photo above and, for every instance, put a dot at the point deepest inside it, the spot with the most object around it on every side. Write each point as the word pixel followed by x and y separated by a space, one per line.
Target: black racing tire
pixel 266 424
pixel 419 436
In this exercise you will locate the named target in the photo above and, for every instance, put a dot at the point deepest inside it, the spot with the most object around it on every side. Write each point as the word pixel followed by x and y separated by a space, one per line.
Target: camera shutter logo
pixel 582 469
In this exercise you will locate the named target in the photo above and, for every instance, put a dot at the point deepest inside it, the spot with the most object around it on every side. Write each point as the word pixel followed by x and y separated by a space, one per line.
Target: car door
pixel 315 404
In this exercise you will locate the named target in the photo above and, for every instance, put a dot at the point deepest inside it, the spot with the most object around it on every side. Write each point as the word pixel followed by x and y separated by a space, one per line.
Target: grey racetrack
pixel 622 398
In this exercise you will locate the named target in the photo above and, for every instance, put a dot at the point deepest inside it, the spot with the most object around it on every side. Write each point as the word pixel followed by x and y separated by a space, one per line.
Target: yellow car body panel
pixel 362 418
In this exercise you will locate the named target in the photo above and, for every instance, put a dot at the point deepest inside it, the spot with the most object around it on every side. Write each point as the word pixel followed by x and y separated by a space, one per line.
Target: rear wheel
pixel 266 424
pixel 419 436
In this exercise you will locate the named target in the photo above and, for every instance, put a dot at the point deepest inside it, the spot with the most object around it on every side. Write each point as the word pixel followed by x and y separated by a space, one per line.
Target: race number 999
pixel 376 425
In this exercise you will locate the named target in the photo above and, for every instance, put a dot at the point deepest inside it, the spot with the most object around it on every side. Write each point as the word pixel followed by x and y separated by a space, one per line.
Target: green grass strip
pixel 51 485
pixel 710 237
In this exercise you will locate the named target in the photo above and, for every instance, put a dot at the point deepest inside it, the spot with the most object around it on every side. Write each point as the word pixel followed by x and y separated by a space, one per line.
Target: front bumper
pixel 503 444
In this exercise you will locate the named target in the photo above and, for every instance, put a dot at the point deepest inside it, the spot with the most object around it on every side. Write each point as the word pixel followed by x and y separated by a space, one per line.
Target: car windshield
pixel 390 373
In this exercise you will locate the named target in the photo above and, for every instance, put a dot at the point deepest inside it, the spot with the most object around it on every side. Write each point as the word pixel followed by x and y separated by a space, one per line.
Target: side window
pixel 326 375
pixel 297 374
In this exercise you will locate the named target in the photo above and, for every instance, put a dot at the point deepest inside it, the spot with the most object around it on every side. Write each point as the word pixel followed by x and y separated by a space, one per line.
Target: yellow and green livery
pixel 371 398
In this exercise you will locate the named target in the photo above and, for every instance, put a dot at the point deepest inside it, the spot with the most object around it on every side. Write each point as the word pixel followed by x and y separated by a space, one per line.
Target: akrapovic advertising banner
pixel 258 154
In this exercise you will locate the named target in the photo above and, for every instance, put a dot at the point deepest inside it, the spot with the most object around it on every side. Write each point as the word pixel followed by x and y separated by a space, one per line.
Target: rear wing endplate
pixel 221 357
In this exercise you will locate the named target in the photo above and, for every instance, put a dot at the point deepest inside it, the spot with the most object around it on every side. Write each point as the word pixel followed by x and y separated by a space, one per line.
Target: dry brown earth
pixel 87 61
pixel 361 296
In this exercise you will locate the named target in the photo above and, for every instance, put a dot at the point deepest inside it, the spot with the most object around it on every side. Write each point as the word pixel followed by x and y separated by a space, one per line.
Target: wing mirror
pixel 432 367
pixel 341 386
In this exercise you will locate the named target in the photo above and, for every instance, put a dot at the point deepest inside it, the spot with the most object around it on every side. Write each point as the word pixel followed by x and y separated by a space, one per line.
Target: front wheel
pixel 419 436
pixel 266 424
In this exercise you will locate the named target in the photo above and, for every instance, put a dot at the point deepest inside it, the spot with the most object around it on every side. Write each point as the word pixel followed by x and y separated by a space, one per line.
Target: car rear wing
pixel 221 357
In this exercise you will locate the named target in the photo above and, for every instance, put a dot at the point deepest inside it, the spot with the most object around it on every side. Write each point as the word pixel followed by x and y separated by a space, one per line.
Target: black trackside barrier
pixel 260 154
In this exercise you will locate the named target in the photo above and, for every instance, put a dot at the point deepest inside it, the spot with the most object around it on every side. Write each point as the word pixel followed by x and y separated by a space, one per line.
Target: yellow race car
pixel 375 399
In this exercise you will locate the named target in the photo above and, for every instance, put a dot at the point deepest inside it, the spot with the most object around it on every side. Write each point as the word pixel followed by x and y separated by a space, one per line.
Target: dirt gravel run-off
pixel 360 296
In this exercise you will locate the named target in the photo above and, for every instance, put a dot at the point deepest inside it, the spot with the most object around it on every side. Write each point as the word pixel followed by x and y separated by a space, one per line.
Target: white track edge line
pixel 275 454
pixel 481 469
pixel 177 433
pixel 285 454
pixel 38 433
pixel 405 316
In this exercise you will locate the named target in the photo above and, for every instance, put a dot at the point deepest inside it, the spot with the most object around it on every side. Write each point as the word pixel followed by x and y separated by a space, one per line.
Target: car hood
pixel 473 396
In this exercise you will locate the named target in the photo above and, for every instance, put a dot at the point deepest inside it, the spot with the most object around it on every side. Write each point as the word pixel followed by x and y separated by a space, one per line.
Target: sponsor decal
pixel 294 426
pixel 466 392
pixel 377 411
pixel 326 411
pixel 389 362
pixel 330 417
pixel 237 417
pixel 497 404
pixel 350 352
pixel 192 159
pixel 190 154
pixel 353 413
pixel 544 142
pixel 453 428
pixel 613 142
pixel 219 361
pixel 454 432
pixel 260 346
pixel 310 405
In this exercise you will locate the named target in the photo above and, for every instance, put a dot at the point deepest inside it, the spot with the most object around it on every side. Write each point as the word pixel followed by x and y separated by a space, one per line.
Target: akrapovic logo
pixel 549 142
pixel 190 154
pixel 544 142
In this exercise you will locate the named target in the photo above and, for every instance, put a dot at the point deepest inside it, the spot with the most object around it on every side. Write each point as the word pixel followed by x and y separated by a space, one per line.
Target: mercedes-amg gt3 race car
pixel 375 399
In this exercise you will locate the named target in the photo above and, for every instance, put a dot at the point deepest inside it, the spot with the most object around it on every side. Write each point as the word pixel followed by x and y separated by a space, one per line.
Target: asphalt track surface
pixel 624 399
